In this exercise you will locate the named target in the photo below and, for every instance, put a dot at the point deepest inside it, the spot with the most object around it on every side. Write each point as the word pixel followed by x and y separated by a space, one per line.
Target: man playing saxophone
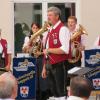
pixel 33 44
pixel 78 43
pixel 28 47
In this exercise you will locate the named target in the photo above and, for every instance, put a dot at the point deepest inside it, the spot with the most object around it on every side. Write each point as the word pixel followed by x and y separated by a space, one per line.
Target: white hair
pixel 56 10
pixel 7 85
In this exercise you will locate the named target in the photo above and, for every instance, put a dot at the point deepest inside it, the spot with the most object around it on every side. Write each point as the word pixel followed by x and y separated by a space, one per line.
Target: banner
pixel 92 60
pixel 24 69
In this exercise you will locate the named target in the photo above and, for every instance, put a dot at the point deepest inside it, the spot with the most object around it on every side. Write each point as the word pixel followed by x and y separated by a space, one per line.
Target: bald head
pixel 81 87
pixel 8 86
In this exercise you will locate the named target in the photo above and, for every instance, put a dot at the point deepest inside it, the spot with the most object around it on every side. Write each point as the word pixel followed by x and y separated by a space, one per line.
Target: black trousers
pixel 42 89
pixel 56 76
pixel 70 66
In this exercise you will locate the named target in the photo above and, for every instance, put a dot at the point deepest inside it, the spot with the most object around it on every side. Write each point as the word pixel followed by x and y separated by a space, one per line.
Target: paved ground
pixel 92 98
pixel 93 95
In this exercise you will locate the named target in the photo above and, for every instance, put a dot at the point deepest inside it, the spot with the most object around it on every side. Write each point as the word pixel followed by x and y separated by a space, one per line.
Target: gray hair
pixel 7 84
pixel 56 10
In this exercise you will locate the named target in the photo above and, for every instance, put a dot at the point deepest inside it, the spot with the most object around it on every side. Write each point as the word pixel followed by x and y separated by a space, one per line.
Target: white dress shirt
pixel 74 98
pixel 26 40
pixel 64 37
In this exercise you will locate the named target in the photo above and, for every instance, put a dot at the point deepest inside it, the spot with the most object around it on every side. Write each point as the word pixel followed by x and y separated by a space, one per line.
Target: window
pixel 28 11
pixel 67 9
pixel 25 14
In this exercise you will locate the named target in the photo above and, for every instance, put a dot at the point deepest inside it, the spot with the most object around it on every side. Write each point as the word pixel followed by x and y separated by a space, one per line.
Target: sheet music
pixel 20 55
pixel 71 71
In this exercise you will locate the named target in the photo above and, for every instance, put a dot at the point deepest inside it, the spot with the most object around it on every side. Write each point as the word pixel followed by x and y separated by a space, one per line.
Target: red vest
pixel 54 42
pixel 4 45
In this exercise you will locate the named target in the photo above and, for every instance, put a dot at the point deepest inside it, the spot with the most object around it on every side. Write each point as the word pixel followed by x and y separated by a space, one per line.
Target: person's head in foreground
pixel 8 86
pixel 80 87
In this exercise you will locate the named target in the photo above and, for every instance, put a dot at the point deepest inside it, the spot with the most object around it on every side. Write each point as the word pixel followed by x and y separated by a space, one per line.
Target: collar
pixel 56 24
pixel 74 98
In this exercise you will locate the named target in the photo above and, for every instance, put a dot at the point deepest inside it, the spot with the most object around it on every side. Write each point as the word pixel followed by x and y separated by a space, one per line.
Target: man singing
pixel 57 50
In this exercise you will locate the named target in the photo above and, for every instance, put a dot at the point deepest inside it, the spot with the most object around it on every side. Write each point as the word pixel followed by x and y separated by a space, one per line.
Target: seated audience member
pixel 80 89
pixel 8 86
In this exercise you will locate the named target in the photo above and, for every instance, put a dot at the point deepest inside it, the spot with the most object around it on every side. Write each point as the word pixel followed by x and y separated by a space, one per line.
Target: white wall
pixel 90 18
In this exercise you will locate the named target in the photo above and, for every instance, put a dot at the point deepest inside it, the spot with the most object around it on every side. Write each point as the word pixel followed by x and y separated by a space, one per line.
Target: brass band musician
pixel 35 48
pixel 27 47
pixel 5 54
pixel 57 50
pixel 77 45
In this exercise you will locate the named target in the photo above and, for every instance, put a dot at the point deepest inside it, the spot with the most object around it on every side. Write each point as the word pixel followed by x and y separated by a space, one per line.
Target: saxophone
pixel 76 52
pixel 34 46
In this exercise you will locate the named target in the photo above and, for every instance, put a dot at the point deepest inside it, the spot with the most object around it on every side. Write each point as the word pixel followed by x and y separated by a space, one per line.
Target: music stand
pixel 79 71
